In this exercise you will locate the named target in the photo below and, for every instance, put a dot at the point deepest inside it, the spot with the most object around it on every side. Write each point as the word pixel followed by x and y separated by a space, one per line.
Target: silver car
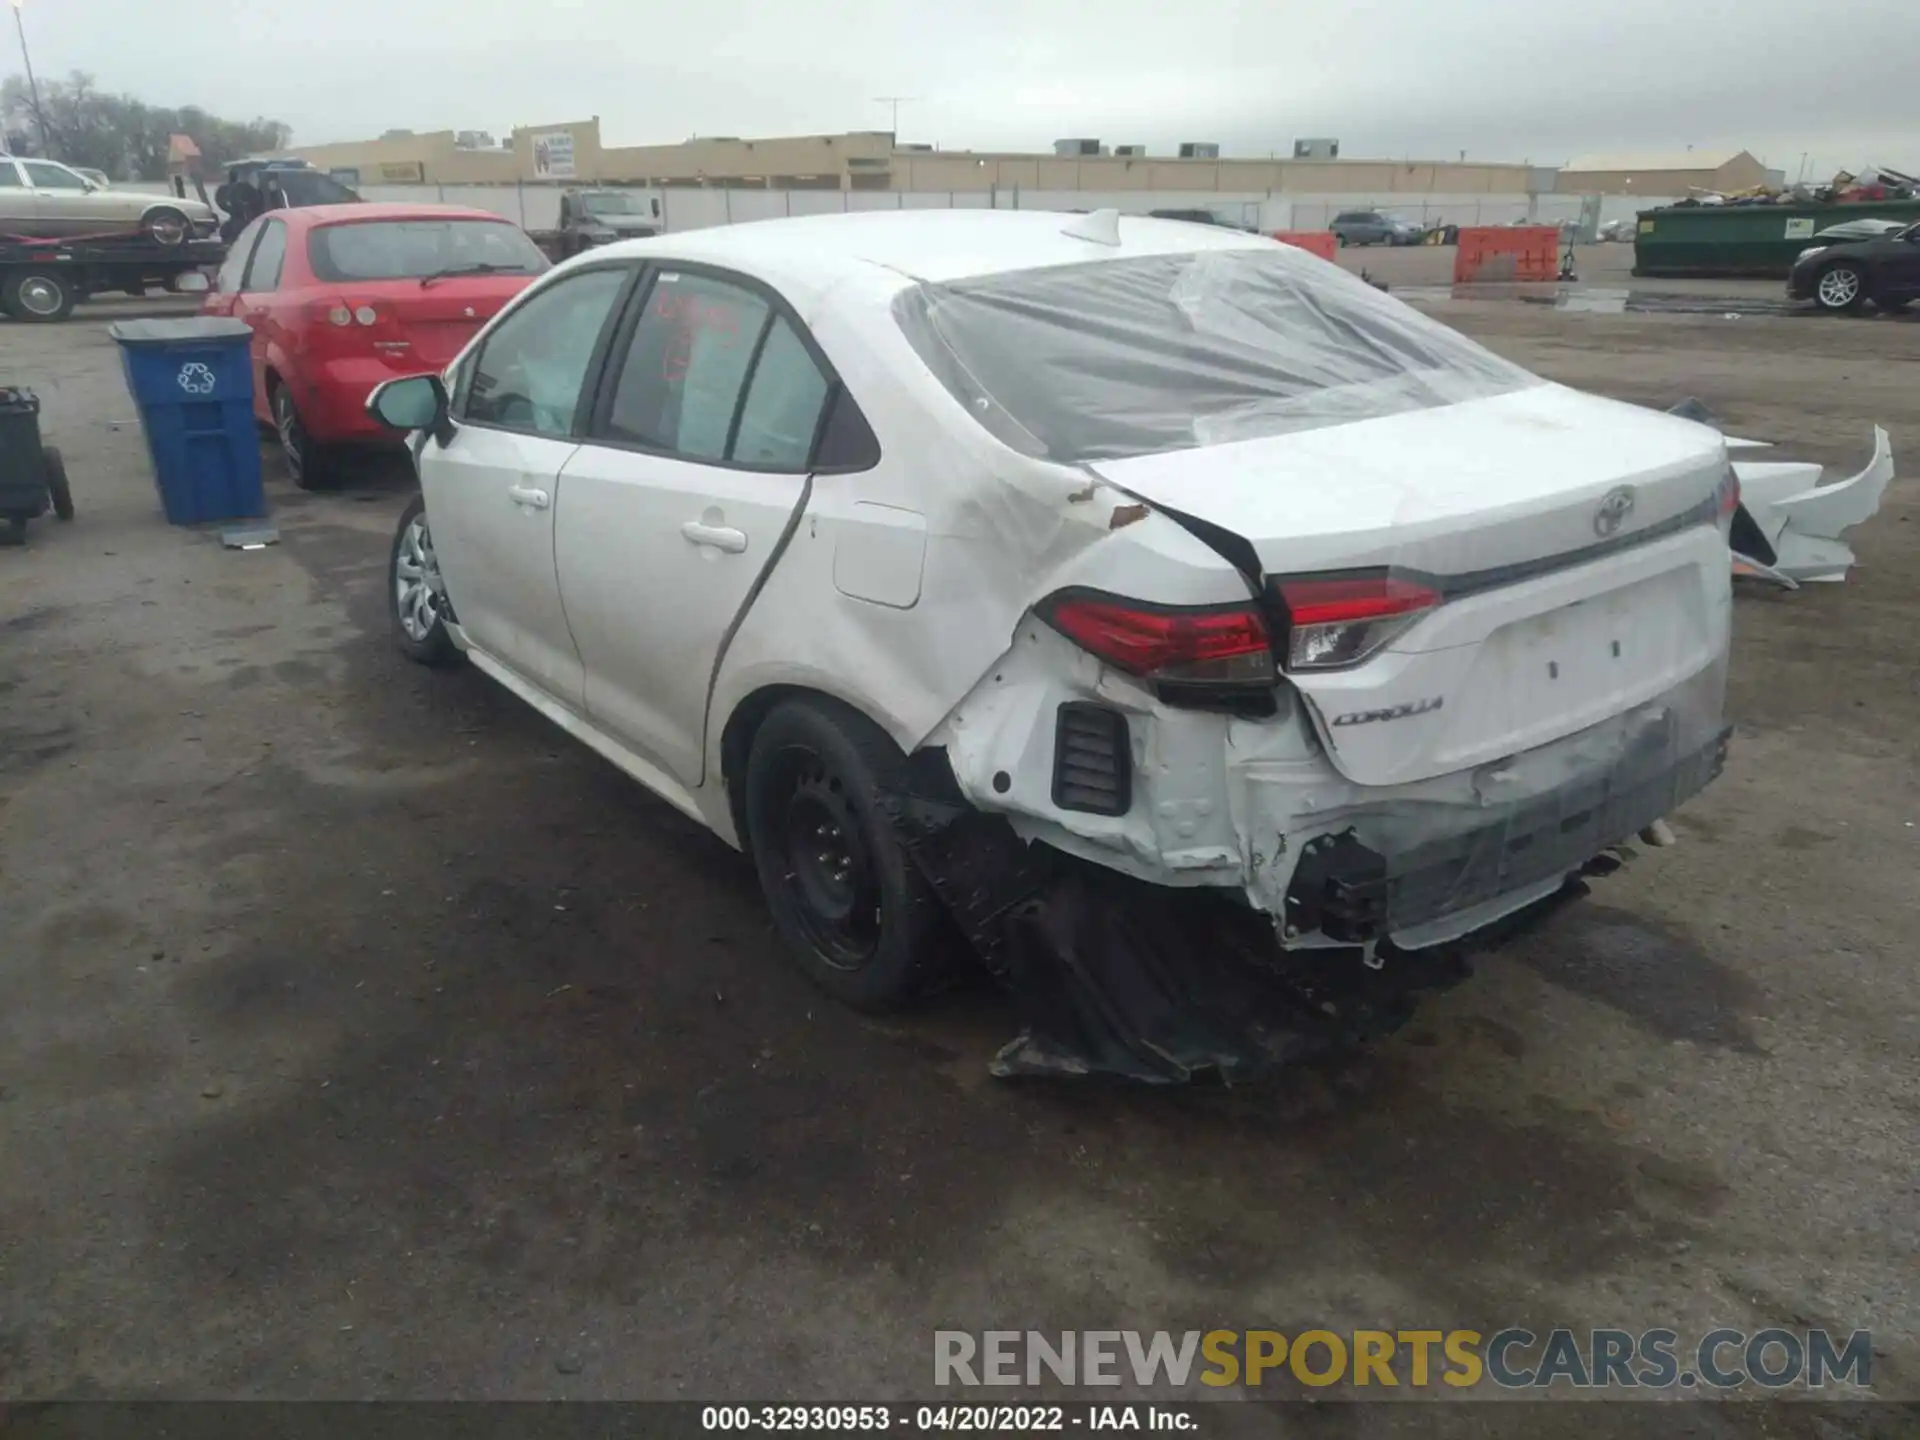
pixel 43 198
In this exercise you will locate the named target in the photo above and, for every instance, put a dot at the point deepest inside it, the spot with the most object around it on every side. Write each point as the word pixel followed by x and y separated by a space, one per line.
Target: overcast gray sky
pixel 1501 79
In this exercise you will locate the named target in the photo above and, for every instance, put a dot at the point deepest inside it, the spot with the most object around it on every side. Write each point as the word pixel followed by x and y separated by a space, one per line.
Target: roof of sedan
pixel 930 244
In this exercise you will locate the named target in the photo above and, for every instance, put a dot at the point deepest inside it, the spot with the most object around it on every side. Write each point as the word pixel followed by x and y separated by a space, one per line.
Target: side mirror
pixel 415 402
pixel 656 207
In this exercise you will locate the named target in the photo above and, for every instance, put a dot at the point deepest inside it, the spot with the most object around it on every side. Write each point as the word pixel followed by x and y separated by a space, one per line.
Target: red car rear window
pixel 414 249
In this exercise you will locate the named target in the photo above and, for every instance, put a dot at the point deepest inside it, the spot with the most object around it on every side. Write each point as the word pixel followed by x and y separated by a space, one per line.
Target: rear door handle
pixel 720 537
pixel 528 496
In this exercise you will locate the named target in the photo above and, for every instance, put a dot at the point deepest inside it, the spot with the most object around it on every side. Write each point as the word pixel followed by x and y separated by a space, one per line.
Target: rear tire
pixel 309 465
pixel 38 297
pixel 13 529
pixel 858 917
pixel 57 486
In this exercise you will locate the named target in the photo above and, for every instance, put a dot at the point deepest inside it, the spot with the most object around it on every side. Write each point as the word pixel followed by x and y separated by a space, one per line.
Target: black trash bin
pixel 33 477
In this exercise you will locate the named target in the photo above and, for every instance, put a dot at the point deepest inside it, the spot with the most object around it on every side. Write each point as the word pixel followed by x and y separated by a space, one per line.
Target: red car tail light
pixel 338 315
pixel 1334 621
pixel 1209 645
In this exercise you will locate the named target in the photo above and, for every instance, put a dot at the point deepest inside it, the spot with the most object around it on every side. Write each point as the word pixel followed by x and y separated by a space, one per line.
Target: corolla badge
pixel 1614 509
pixel 1392 712
pixel 197 379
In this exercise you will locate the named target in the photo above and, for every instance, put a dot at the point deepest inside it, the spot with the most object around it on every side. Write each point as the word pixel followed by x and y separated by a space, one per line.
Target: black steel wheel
pixel 57 486
pixel 857 916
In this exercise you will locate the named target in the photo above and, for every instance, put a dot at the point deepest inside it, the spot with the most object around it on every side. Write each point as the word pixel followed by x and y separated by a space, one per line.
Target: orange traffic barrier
pixel 1507 252
pixel 1317 242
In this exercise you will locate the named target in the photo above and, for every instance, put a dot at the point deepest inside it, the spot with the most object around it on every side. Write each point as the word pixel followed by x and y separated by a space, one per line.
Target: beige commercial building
pixel 870 160
pixel 1670 175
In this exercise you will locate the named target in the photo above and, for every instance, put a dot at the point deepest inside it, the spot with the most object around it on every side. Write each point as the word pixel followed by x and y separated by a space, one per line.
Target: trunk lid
pixel 419 328
pixel 1566 533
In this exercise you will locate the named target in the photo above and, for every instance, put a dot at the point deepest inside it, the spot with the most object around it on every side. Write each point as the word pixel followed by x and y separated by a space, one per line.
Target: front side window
pixel 52 177
pixel 532 367
pixel 9 175
pixel 418 249
pixel 1114 358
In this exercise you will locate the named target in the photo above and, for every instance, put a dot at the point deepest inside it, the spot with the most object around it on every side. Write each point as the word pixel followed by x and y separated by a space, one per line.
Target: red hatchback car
pixel 341 297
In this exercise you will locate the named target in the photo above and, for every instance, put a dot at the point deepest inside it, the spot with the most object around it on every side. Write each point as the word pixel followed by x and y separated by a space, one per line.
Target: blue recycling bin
pixel 193 381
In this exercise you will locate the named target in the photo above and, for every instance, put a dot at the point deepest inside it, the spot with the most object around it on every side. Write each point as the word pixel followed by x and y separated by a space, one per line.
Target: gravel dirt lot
pixel 361 1036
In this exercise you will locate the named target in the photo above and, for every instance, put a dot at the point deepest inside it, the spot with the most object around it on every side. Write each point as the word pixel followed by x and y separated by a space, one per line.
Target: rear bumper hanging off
pixel 1114 975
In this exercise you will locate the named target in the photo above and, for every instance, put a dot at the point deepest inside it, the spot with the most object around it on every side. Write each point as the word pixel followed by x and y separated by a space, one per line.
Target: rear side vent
pixel 1092 760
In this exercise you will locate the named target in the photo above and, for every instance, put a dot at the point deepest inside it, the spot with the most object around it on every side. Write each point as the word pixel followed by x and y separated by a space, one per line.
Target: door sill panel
pixel 583 730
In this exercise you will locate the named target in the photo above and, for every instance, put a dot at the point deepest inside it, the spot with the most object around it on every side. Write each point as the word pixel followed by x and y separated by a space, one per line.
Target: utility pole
pixel 33 86
pixel 896 101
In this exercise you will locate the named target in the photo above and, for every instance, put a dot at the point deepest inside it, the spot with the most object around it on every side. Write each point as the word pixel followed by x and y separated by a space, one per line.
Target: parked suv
pixel 1215 642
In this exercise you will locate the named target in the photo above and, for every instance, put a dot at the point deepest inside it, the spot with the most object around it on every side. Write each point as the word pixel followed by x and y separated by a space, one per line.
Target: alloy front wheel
pixel 419 595
pixel 1841 288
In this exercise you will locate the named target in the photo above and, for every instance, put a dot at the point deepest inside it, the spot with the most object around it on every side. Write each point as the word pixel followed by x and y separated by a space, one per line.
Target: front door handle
pixel 526 495
pixel 720 537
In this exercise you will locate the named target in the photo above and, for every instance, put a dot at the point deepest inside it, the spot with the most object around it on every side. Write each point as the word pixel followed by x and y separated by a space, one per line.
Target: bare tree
pixel 121 134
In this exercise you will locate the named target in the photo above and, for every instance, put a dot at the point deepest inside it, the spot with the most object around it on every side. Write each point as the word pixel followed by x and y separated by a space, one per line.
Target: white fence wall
pixel 537 207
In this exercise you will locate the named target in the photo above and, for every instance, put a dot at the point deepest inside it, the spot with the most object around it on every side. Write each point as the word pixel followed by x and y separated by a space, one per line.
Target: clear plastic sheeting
pixel 1140 356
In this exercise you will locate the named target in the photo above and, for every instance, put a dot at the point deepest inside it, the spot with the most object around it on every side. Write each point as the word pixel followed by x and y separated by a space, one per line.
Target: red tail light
pixel 1728 495
pixel 1197 644
pixel 1339 620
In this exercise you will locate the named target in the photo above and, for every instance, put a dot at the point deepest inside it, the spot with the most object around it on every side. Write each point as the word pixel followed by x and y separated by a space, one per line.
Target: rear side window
pixel 415 249
pixel 1113 358
pixel 781 412
pixel 227 281
pixel 263 271
pixel 9 175
pixel 685 367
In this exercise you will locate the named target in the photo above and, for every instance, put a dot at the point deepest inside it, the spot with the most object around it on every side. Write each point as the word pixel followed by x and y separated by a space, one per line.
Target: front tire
pixel 858 917
pixel 1841 288
pixel 167 227
pixel 416 592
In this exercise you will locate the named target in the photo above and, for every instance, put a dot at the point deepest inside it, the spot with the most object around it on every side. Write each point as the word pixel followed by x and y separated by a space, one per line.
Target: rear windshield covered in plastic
pixel 1138 356
pixel 412 249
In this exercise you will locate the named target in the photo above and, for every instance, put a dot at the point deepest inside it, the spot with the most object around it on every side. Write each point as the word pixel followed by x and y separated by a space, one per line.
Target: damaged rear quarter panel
pixel 1000 531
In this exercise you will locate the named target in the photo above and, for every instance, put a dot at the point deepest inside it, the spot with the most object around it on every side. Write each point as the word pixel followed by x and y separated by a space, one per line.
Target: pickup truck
pixel 598 217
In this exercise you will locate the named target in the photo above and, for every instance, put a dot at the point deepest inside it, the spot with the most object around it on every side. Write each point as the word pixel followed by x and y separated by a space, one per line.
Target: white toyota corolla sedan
pixel 1218 645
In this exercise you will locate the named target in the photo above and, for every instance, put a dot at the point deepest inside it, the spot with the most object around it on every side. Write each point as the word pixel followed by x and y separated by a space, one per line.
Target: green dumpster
pixel 1760 240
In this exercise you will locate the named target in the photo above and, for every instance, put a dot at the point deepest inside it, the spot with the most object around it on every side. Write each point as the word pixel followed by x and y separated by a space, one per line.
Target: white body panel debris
pixel 1803 520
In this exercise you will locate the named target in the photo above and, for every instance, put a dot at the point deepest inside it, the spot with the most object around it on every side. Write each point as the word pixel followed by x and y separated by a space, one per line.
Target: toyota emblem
pixel 1613 511
pixel 469 312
